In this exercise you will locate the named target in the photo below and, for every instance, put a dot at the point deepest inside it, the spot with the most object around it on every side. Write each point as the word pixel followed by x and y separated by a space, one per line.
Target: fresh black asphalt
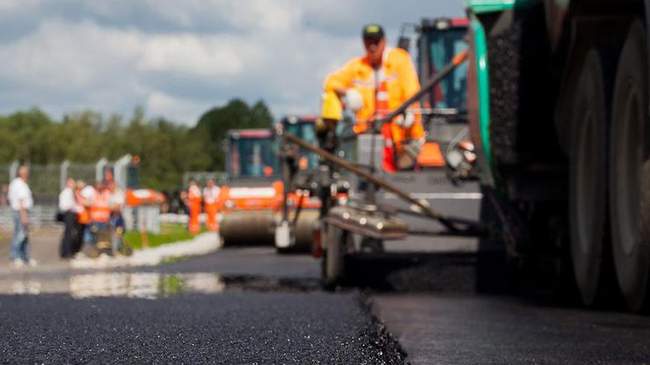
pixel 229 328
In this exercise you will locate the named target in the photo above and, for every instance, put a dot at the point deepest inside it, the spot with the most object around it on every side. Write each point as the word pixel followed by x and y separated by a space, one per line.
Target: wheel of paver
pixel 630 172
pixel 333 270
pixel 588 180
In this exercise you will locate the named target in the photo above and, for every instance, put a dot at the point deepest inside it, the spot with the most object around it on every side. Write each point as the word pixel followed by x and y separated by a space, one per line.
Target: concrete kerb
pixel 200 245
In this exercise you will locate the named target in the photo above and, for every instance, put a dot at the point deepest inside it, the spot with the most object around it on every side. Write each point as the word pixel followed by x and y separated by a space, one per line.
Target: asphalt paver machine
pixel 362 214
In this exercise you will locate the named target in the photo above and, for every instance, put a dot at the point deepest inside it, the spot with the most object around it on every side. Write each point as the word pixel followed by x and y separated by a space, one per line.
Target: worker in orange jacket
pixel 100 217
pixel 211 201
pixel 194 204
pixel 376 84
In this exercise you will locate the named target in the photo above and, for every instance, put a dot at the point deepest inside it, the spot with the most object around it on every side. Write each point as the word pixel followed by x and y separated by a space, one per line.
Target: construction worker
pixel 374 85
pixel 194 204
pixel 211 201
pixel 83 214
pixel 100 217
pixel 87 196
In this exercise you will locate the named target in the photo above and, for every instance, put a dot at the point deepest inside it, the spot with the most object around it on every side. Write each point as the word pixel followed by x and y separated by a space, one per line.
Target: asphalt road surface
pixel 418 303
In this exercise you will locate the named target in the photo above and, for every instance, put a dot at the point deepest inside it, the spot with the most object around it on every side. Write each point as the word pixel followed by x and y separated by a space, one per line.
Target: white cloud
pixel 187 53
pixel 174 108
pixel 179 58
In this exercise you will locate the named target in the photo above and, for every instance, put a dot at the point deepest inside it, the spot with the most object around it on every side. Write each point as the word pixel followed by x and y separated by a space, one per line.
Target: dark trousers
pixel 79 237
pixel 70 235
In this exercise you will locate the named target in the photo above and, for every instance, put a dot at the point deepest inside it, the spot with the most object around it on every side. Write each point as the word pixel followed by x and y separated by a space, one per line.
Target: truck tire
pixel 518 57
pixel 630 172
pixel 588 181
pixel 333 263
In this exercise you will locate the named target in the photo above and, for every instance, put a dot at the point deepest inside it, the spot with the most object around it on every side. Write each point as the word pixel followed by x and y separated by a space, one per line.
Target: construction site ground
pixel 417 303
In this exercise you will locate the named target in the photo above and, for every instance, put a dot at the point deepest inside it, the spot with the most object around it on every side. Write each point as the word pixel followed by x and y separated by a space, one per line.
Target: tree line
pixel 166 149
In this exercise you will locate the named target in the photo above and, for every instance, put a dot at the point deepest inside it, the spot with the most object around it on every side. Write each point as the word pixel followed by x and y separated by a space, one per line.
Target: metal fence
pixel 46 182
pixel 202 177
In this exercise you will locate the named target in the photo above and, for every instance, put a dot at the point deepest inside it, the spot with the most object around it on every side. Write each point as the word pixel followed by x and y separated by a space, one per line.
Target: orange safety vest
pixel 194 197
pixel 83 217
pixel 100 210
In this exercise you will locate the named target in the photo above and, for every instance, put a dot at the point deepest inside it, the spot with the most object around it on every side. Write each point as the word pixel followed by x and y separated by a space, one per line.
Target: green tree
pixel 212 127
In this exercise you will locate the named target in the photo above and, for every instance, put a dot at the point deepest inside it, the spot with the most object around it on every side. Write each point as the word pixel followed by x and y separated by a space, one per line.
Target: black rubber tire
pixel 588 181
pixel 333 269
pixel 630 172
pixel 519 59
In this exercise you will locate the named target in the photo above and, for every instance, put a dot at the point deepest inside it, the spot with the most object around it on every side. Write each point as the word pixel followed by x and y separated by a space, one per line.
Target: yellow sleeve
pixel 341 78
pixel 410 83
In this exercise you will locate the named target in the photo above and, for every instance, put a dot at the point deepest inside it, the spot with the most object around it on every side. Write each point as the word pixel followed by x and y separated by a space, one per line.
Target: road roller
pixel 253 191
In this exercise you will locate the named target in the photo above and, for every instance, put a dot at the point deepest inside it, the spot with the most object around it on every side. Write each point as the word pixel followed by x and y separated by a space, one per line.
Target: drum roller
pixel 252 228
pixel 304 229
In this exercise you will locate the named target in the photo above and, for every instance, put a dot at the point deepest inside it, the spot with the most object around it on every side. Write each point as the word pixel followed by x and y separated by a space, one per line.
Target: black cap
pixel 372 31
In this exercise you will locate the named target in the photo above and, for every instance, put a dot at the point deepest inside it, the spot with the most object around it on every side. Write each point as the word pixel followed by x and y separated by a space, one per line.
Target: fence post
pixel 63 174
pixel 99 169
pixel 13 170
pixel 120 170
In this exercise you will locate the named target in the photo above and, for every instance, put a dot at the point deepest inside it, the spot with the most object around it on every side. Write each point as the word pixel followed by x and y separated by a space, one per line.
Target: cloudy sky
pixel 179 58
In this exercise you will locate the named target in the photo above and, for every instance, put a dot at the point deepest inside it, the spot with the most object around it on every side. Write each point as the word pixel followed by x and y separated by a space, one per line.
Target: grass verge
pixel 169 233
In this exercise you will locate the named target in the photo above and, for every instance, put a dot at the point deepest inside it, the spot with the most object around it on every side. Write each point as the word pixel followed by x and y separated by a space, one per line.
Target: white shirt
pixel 118 198
pixel 210 194
pixel 20 195
pixel 67 201
pixel 88 193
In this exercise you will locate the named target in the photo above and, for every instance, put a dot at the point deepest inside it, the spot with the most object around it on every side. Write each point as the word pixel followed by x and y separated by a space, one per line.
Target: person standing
pixel 100 217
pixel 194 203
pixel 377 83
pixel 83 216
pixel 117 201
pixel 210 199
pixel 86 198
pixel 68 207
pixel 21 201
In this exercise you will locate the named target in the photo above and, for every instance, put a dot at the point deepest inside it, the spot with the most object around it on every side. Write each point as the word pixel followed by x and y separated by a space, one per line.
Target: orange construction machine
pixel 253 192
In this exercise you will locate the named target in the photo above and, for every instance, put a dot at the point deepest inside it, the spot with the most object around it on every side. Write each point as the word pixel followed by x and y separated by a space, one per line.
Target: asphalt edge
pixel 390 351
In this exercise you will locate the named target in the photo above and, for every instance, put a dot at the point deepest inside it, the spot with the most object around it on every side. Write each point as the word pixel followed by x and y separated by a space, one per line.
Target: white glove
pixel 405 121
pixel 353 100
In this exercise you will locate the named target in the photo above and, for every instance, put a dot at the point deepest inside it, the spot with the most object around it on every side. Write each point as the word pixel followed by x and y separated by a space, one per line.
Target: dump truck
pixel 558 108
pixel 253 190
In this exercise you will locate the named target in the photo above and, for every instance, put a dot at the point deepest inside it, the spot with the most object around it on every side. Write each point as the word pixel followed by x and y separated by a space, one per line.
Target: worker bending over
pixel 374 85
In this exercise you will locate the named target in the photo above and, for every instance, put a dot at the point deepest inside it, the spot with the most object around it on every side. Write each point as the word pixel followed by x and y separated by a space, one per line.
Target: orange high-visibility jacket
pixel 397 71
pixel 100 210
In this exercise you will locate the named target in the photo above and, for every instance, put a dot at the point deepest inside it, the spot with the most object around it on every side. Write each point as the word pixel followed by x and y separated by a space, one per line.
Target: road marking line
pixel 442 196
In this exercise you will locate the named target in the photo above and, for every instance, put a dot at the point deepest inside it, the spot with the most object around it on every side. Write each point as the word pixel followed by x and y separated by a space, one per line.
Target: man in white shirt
pixel 68 207
pixel 21 201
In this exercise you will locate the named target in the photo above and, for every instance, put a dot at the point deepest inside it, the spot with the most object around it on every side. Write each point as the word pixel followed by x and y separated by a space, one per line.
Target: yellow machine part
pixel 331 107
